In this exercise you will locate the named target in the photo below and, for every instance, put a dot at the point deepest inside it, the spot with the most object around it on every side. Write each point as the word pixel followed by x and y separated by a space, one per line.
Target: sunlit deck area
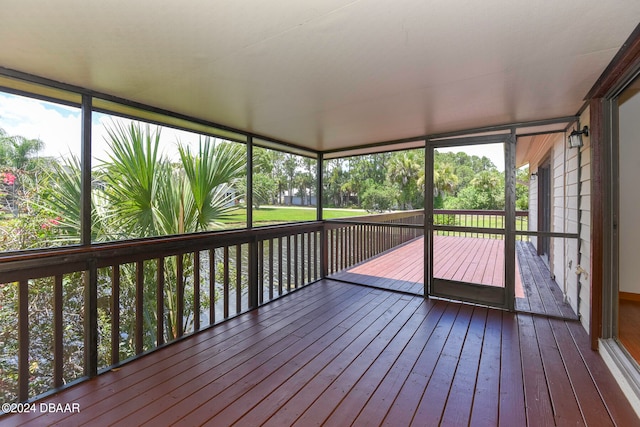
pixel 339 354
pixel 471 259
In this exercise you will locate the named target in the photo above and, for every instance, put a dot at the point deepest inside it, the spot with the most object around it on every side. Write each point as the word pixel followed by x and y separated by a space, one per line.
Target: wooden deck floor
pixel 339 354
pixel 455 258
pixel 464 259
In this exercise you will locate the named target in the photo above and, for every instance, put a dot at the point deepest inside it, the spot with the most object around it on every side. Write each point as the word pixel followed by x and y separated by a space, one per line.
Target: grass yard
pixel 280 214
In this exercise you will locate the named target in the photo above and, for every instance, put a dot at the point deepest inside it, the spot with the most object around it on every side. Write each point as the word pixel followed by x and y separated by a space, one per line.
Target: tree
pixel 139 193
pixel 265 189
pixel 378 198
pixel 522 189
pixel 334 179
pixel 403 171
pixel 150 196
pixel 290 165
pixel 486 191
pixel 17 168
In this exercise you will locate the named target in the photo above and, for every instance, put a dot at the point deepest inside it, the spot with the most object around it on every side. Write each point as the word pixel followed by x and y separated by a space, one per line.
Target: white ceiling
pixel 327 74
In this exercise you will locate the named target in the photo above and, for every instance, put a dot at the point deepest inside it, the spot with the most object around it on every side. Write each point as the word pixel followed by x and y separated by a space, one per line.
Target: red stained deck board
pixel 460 400
pixel 484 411
pixel 232 351
pixel 276 399
pixel 589 400
pixel 197 387
pixel 512 412
pixel 432 404
pixel 96 391
pixel 323 377
pixel 563 400
pixel 411 391
pixel 606 386
pixel 456 258
pixel 212 405
pixel 342 354
pixel 536 390
pixel 383 349
pixel 382 398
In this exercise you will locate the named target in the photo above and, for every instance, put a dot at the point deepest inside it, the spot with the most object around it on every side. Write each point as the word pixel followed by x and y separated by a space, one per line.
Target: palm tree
pixel 403 170
pixel 150 196
pixel 445 180
pixel 137 192
pixel 16 152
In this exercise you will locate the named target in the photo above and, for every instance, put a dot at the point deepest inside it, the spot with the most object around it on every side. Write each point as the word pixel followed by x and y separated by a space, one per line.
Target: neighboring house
pixel 297 200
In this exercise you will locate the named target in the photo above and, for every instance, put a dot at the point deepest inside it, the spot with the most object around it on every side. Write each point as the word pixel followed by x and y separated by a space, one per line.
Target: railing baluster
pixel 23 340
pixel 58 348
pixel 332 259
pixel 90 278
pixel 225 282
pixel 212 286
pixel 270 269
pixel 160 302
pixel 309 258
pixel 280 275
pixel 115 314
pixel 139 333
pixel 335 248
pixel 352 245
pixel 196 291
pixel 347 246
pixel 343 248
pixel 180 292
pixel 288 238
pixel 238 279
pixel 317 244
pixel 254 263
pixel 302 258
pixel 295 261
pixel 260 244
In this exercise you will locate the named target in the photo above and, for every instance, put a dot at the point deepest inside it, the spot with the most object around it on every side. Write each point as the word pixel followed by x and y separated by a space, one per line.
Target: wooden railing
pixel 467 223
pixel 94 307
pixel 356 239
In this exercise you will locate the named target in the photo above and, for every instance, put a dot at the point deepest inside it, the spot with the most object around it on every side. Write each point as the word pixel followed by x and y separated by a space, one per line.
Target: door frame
pixel 470 292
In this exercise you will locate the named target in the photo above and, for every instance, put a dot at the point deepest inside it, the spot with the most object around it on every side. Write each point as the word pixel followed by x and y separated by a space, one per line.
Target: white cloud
pixel 59 127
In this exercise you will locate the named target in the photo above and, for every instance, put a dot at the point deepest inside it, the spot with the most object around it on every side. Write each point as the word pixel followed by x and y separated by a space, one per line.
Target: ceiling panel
pixel 327 74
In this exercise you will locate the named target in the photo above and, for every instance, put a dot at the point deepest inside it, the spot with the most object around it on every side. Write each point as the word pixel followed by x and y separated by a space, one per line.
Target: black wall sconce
pixel 575 138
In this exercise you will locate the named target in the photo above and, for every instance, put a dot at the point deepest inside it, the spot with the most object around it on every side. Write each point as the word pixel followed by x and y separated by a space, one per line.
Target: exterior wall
pixel 570 213
pixel 584 191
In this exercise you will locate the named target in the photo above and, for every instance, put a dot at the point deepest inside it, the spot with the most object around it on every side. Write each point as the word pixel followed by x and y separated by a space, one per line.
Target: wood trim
pixel 598 167
pixel 626 56
pixel 625 60
pixel 629 296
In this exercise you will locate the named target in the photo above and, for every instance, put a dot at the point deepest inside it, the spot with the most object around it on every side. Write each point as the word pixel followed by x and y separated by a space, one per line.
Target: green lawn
pixel 280 214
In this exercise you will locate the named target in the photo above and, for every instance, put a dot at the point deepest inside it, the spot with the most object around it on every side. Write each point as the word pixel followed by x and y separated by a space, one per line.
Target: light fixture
pixel 575 138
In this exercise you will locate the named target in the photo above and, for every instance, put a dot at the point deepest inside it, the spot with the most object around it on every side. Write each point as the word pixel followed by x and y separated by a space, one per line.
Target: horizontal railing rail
pixel 94 307
pixel 476 223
